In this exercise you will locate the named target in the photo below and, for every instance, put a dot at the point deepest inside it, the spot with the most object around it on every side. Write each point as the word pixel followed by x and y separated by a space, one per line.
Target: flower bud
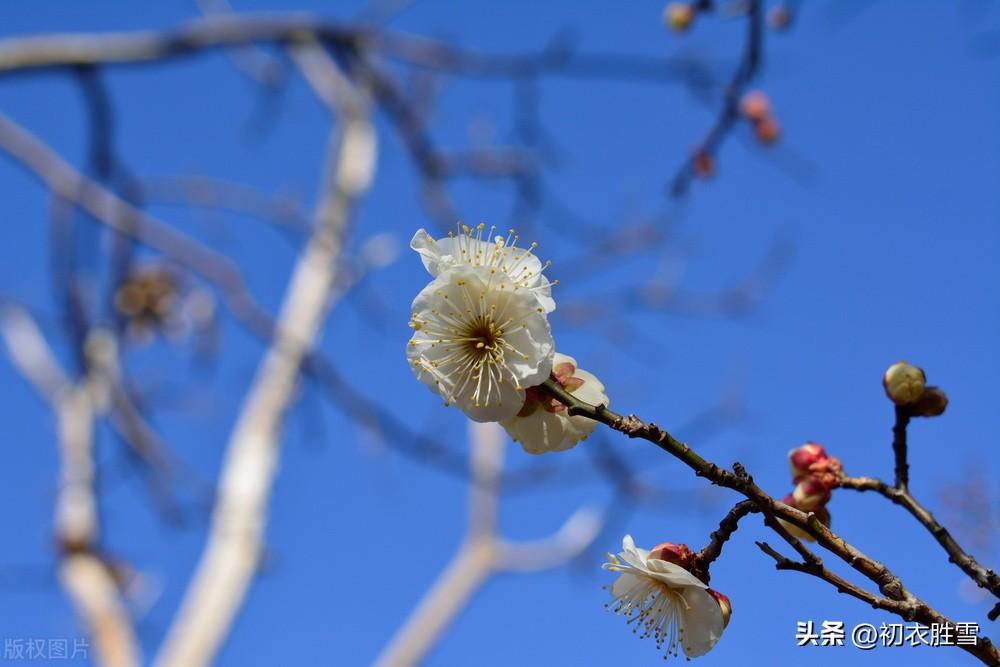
pixel 724 605
pixel 828 472
pixel 678 554
pixel 703 164
pixel 767 130
pixel 779 17
pixel 903 383
pixel 801 458
pixel 678 16
pixel 755 106
pixel 821 513
pixel 930 404
pixel 810 494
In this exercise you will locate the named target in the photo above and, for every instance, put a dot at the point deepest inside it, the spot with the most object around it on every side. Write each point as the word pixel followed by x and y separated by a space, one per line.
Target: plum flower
pixel 543 424
pixel 666 601
pixel 518 267
pixel 479 340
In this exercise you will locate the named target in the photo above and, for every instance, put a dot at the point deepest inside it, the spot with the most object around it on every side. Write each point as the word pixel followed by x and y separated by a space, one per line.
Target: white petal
pixel 542 432
pixel 457 298
pixel 701 624
pixel 561 358
pixel 592 389
pixel 632 554
pixel 626 582
pixel 672 574
pixel 429 250
pixel 508 404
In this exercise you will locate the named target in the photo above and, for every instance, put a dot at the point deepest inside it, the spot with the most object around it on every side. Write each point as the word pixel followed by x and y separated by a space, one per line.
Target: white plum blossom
pixel 474 247
pixel 666 601
pixel 480 338
pixel 543 423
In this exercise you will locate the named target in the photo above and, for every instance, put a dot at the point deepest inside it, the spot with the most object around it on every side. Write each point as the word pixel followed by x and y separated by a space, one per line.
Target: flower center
pixel 485 338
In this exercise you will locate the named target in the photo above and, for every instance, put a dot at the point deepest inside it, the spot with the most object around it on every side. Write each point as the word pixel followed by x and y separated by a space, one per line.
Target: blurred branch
pixel 482 554
pixel 708 148
pixel 88 577
pixel 234 544
pixel 210 193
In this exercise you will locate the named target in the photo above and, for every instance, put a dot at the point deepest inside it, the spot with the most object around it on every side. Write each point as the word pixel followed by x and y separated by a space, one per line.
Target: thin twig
pixel 909 606
pixel 902 468
pixel 984 577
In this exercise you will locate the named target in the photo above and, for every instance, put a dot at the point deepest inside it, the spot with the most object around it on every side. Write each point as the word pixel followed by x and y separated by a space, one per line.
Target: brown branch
pixel 902 468
pixel 718 538
pixel 908 606
pixel 985 577
pixel 817 569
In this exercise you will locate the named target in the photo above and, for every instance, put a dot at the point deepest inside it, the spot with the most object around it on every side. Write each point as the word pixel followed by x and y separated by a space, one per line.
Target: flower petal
pixel 672 574
pixel 429 251
pixel 701 623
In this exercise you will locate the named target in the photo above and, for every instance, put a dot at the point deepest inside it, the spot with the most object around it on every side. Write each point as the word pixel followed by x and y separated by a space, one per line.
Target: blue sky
pixel 884 181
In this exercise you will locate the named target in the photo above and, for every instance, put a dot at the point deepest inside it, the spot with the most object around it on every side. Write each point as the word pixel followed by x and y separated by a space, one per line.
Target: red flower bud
pixel 678 554
pixel 704 164
pixel 724 605
pixel 821 513
pixel 802 458
pixel 755 106
pixel 810 494
pixel 767 130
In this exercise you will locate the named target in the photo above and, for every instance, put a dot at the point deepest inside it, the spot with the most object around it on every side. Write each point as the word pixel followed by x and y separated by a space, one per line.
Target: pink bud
pixel 810 494
pixel 828 471
pixel 678 554
pixel 724 605
pixel 801 458
pixel 903 383
pixel 821 513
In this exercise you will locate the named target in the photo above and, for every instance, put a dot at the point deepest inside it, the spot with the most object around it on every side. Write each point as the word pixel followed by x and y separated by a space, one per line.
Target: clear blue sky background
pixel 885 180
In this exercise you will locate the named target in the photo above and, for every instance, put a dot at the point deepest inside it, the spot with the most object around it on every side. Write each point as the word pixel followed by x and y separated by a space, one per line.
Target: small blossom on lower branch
pixel 543 425
pixel 665 601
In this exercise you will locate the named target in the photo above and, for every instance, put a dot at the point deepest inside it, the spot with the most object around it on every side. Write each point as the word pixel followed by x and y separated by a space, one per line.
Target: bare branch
pixel 910 607
pixel 234 543
pixel 482 554
pixel 87 577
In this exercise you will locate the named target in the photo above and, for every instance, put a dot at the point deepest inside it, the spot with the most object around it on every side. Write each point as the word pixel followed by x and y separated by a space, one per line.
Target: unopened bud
pixel 801 458
pixel 903 383
pixel 767 130
pixel 724 605
pixel 810 494
pixel 678 554
pixel 828 472
pixel 821 512
pixel 678 16
pixel 779 17
pixel 930 404
pixel 755 106
pixel 704 165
